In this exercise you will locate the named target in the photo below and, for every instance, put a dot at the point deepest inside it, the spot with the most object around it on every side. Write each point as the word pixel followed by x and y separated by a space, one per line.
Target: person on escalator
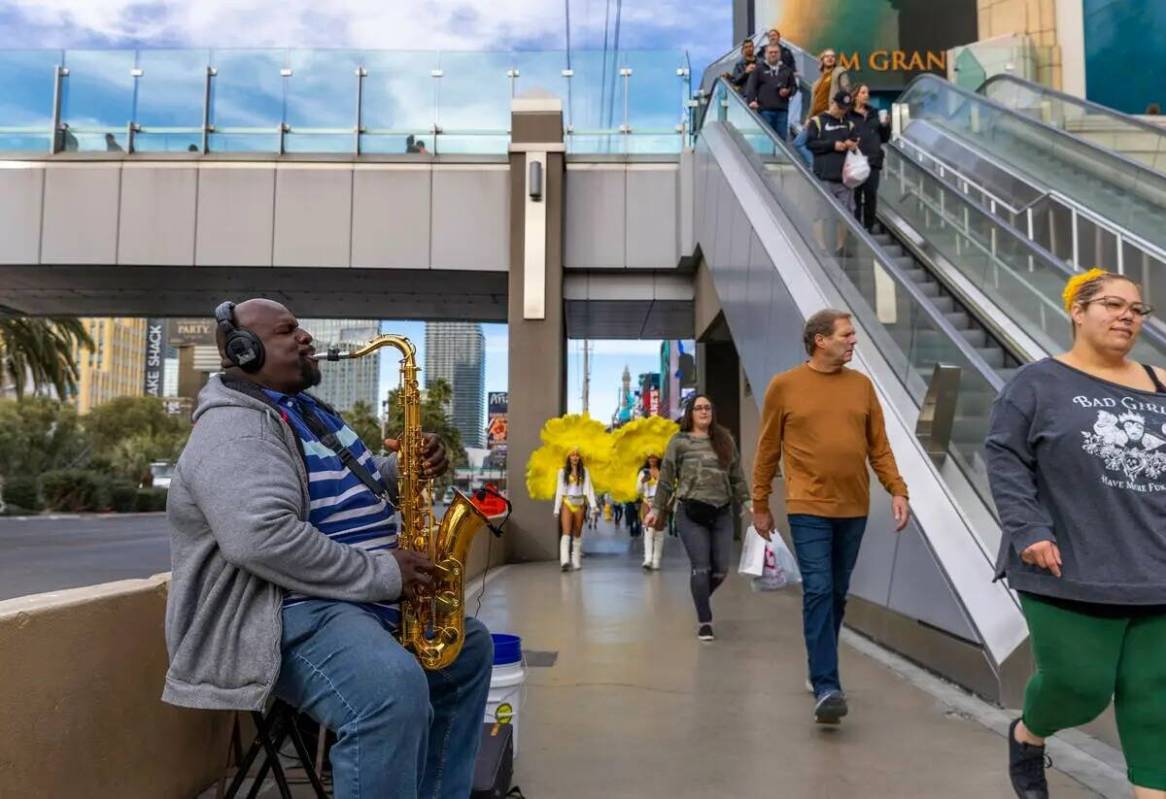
pixel 1075 463
pixel 874 130
pixel 832 79
pixel 745 67
pixel 769 90
pixel 830 136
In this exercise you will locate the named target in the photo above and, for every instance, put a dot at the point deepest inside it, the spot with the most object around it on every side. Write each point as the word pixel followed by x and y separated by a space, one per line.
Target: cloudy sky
pixel 703 27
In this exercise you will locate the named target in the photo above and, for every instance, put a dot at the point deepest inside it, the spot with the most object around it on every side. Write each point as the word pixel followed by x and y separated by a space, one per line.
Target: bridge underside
pixel 185 291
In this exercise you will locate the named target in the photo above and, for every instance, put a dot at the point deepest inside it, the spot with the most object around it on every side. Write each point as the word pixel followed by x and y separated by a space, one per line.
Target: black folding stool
pixel 279 723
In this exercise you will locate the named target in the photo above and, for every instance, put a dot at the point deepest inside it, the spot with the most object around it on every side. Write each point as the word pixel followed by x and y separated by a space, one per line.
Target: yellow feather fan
pixel 560 436
pixel 631 446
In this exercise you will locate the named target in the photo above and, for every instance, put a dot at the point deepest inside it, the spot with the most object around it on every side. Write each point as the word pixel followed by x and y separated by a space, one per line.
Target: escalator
pixel 1129 136
pixel 778 248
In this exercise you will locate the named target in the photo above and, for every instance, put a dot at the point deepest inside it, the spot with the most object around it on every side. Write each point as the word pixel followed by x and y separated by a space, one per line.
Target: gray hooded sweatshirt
pixel 238 508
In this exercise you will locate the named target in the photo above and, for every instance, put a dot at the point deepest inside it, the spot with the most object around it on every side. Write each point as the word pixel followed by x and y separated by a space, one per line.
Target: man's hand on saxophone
pixel 416 571
pixel 436 461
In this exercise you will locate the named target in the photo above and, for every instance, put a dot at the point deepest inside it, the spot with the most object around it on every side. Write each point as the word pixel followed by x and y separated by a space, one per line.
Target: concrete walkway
pixel 635 706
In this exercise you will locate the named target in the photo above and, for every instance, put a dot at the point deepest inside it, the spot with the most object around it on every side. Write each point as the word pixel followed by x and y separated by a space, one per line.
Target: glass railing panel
pixel 909 332
pixel 248 94
pixel 399 100
pixel 321 100
pixel 1131 196
pixel 28 77
pixel 655 92
pixel 473 94
pixel 170 97
pixel 97 98
pixel 1134 138
pixel 541 71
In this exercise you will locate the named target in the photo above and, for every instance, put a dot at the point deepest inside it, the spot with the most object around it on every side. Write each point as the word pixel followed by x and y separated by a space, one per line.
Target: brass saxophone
pixel 433 619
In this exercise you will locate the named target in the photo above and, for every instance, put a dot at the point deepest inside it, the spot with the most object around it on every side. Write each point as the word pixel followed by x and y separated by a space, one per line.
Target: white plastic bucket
pixel 506 683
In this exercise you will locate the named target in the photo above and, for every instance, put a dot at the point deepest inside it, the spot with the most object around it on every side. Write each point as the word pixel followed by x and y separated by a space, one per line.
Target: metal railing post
pixel 626 73
pixel 207 127
pixel 57 143
pixel 361 74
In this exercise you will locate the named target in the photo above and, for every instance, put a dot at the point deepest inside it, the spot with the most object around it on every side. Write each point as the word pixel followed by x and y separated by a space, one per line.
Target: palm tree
pixel 42 351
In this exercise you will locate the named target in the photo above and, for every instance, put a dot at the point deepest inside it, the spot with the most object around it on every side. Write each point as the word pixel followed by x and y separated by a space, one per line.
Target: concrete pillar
pixel 537 350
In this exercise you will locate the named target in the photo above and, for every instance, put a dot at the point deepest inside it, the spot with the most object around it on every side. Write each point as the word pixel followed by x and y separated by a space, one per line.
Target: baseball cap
pixel 844 99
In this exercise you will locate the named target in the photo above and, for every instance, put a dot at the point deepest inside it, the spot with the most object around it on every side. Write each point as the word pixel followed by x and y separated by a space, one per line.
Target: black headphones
pixel 243 348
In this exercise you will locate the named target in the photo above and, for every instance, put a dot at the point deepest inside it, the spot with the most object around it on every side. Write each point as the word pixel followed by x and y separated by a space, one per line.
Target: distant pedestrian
pixel 702 470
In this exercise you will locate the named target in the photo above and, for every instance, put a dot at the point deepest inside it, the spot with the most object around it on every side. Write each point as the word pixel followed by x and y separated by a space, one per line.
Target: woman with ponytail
pixel 1077 463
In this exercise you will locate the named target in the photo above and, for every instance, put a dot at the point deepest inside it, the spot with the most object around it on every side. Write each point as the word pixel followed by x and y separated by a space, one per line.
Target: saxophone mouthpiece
pixel 334 354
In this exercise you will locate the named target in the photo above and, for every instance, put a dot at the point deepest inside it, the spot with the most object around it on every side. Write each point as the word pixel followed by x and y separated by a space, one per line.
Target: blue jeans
pixel 800 145
pixel 778 120
pixel 827 550
pixel 401 731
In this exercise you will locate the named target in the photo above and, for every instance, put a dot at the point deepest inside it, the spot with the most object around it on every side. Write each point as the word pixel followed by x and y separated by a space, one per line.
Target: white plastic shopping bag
pixel 780 569
pixel 752 554
pixel 855 170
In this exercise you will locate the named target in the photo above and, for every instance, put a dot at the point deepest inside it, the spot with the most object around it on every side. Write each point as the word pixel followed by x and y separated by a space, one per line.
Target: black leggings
pixel 709 550
pixel 866 199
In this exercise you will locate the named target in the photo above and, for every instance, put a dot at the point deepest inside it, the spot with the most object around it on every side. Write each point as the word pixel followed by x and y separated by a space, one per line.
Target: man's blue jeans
pixel 827 550
pixel 800 145
pixel 778 120
pixel 401 731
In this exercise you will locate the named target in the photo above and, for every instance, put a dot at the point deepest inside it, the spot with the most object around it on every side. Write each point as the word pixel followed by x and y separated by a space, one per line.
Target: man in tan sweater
pixel 826 422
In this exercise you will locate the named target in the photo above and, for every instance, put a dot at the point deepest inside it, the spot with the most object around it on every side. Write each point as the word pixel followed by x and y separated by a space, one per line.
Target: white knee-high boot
pixel 648 535
pixel 577 554
pixel 658 549
pixel 565 552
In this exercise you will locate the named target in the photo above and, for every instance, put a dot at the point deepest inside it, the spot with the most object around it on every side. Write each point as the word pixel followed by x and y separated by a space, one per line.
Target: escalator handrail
pixel 1034 250
pixel 1069 99
pixel 909 286
pixel 970 97
pixel 1043 193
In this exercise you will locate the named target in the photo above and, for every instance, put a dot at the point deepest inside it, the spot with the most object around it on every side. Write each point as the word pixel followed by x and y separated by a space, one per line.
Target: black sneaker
pixel 705 633
pixel 831 708
pixel 1026 767
pixel 566 567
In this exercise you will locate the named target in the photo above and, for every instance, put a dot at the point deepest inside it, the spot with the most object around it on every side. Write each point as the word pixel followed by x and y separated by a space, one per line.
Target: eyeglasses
pixel 1116 306
pixel 699 408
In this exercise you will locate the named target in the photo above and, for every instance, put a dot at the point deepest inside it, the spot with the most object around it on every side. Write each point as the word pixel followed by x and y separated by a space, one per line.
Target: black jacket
pixel 765 84
pixel 739 76
pixel 823 131
pixel 871 135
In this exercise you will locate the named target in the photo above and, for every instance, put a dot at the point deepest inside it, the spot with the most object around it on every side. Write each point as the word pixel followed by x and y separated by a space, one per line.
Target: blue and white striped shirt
pixel 341 506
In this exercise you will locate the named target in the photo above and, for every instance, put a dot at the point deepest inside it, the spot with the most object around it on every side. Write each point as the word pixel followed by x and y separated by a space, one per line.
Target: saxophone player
pixel 286 574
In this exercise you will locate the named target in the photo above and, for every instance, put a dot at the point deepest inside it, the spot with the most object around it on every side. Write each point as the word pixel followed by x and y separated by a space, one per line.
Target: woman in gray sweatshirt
pixel 1077 462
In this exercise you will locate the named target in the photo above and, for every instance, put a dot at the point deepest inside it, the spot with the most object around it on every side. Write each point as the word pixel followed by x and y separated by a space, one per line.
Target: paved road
pixel 47 554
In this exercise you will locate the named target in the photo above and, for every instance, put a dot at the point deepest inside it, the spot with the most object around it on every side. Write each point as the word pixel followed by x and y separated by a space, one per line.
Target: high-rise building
pixel 456 353
pixel 115 367
pixel 345 383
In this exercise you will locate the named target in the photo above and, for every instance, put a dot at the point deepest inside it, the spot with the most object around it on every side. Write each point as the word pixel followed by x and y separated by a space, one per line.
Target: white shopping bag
pixel 752 554
pixel 855 170
pixel 781 567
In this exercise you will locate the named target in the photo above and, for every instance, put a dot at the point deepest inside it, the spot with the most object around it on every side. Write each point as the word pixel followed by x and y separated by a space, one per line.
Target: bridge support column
pixel 537 350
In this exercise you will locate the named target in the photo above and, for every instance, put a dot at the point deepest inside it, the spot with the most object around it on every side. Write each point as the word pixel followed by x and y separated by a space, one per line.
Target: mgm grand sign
pixel 885 43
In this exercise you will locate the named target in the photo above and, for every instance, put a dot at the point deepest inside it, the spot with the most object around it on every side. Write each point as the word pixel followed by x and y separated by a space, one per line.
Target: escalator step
pixel 977 338
pixel 959 318
pixel 945 304
pixel 929 289
pixel 993 356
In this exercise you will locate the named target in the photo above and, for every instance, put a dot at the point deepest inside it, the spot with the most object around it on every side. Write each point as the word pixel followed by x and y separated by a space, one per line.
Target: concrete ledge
pixel 80 713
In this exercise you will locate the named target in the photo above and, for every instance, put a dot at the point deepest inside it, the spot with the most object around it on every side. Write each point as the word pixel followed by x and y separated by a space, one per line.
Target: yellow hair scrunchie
pixel 1069 295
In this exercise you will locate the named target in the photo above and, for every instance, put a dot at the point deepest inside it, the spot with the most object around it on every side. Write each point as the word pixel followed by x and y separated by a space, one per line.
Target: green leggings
pixel 1082 661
